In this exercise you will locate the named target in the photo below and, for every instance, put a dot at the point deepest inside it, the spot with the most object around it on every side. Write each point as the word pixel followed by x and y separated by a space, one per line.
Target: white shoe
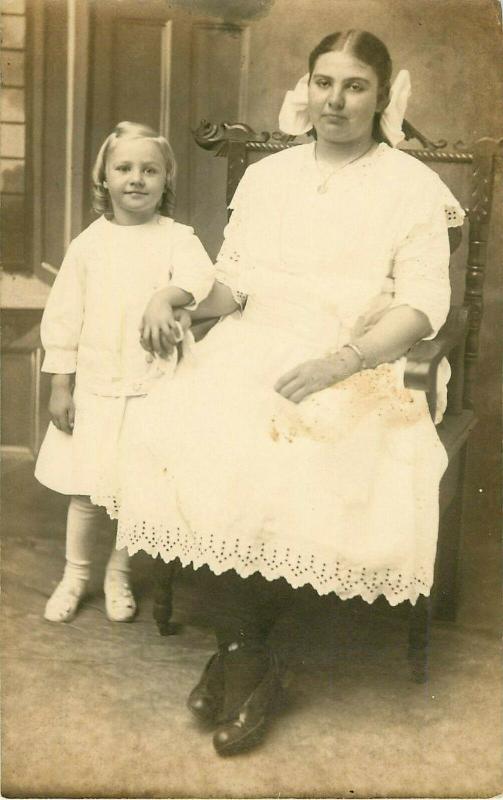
pixel 120 604
pixel 64 601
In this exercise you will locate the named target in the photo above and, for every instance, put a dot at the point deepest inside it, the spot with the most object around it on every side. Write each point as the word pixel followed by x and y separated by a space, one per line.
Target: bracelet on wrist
pixel 359 353
pixel 345 360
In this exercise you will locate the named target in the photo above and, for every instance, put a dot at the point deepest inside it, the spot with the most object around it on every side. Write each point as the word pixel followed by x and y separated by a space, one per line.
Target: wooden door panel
pixel 136 76
pixel 169 68
pixel 216 85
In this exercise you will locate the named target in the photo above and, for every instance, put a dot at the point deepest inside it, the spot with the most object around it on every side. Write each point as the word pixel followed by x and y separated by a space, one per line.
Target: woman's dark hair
pixel 367 48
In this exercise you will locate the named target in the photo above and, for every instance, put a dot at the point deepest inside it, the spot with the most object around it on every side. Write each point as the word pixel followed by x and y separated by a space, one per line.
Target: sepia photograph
pixel 251 380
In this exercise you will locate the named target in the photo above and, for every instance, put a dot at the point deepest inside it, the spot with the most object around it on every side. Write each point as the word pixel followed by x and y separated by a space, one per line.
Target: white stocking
pixel 118 566
pixel 82 521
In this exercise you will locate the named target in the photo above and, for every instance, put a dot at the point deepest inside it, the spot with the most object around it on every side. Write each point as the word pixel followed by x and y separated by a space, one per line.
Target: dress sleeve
pixel 422 253
pixel 232 259
pixel 64 315
pixel 192 269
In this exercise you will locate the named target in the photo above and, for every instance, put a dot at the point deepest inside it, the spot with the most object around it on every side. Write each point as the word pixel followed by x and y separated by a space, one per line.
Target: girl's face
pixel 135 176
pixel 343 97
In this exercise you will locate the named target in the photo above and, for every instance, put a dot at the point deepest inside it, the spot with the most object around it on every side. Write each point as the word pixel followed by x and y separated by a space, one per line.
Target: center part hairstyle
pixel 133 130
pixel 366 48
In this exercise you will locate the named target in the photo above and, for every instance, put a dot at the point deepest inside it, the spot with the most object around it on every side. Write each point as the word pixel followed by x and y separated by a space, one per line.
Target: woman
pixel 289 452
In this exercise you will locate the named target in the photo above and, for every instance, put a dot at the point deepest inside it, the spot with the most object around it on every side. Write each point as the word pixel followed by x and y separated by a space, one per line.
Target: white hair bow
pixel 294 115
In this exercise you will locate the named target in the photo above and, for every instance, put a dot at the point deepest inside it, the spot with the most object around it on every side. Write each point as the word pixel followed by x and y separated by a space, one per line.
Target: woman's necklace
pixel 323 186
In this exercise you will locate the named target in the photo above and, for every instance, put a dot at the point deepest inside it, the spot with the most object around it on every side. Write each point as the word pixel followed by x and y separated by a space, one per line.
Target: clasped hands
pixel 162 327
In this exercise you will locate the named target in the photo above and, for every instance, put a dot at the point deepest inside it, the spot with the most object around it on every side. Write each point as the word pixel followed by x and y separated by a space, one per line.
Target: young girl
pixel 91 339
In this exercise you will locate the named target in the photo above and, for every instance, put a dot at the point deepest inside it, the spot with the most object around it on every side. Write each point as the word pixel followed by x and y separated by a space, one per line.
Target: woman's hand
pixel 61 404
pixel 159 327
pixel 314 376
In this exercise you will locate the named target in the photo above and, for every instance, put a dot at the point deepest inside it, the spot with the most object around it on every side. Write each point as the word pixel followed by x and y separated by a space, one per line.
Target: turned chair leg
pixel 419 639
pixel 164 575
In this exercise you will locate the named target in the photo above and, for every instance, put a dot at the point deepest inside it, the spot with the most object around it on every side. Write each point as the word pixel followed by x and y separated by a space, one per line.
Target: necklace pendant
pixel 322 188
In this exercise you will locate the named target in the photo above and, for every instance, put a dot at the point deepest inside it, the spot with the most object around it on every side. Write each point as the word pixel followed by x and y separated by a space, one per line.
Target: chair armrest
pixel 423 359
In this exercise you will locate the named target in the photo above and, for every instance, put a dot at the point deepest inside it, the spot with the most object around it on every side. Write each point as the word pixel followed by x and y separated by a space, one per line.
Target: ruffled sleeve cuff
pixel 454 212
pixel 59 361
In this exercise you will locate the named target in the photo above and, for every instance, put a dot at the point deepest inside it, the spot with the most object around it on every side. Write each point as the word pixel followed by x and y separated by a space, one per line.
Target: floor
pixel 96 709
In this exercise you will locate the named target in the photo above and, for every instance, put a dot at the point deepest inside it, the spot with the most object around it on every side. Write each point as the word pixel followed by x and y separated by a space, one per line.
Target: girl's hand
pixel 314 376
pixel 62 408
pixel 183 317
pixel 159 330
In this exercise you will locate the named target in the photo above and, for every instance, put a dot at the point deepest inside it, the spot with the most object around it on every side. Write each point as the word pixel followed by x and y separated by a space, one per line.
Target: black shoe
pixel 207 698
pixel 248 724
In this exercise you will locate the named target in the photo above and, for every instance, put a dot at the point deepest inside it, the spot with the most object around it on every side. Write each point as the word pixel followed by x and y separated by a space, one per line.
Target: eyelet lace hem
pixel 109 500
pixel 273 562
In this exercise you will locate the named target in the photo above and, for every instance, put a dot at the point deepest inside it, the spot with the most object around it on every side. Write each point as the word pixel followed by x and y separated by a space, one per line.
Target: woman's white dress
pixel 90 327
pixel 340 491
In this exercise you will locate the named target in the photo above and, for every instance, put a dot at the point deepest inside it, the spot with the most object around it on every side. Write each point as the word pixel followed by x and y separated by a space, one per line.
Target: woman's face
pixel 343 98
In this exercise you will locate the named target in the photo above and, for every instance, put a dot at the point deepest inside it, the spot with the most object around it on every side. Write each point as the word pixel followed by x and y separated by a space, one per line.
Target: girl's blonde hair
pixel 133 130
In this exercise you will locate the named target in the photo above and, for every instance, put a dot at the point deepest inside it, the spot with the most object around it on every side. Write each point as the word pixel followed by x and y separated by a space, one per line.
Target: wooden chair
pixel 458 340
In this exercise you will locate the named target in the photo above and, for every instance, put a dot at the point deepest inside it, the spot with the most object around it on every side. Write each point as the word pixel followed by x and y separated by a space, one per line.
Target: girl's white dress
pixel 340 491
pixel 90 327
